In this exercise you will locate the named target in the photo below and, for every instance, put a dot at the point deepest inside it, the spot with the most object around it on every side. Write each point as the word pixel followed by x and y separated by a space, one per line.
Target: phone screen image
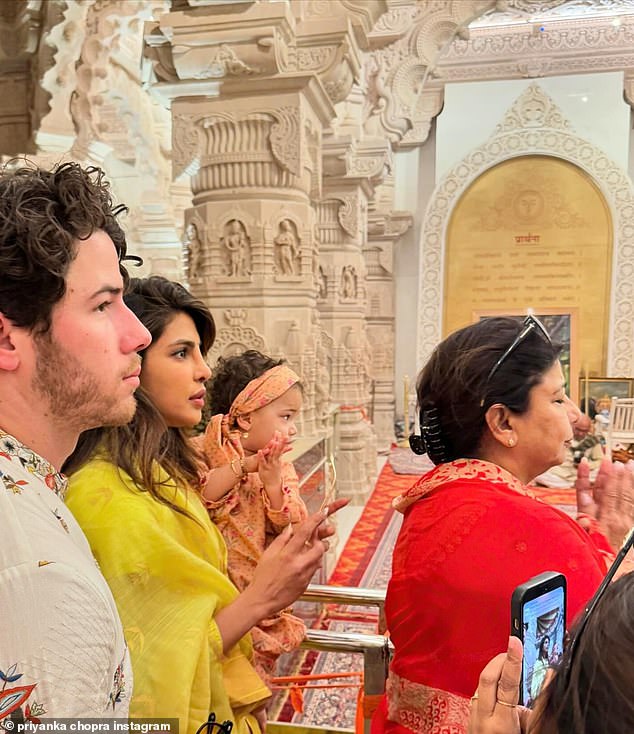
pixel 544 628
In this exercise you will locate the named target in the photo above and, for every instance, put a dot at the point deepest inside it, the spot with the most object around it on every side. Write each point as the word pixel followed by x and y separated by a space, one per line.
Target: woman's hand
pixel 585 497
pixel 288 564
pixel 282 575
pixel 494 708
pixel 610 501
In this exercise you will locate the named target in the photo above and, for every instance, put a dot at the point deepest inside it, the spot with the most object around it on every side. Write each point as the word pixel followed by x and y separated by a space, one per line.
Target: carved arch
pixel 550 136
pixel 233 340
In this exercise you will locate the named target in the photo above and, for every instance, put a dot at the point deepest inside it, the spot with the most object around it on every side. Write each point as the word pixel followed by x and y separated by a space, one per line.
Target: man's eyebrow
pixel 109 289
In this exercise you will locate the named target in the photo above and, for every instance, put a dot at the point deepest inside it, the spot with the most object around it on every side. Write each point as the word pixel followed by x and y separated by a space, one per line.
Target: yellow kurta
pixel 168 577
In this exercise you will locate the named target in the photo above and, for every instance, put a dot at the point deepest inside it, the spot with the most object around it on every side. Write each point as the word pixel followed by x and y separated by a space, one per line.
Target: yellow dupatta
pixel 168 576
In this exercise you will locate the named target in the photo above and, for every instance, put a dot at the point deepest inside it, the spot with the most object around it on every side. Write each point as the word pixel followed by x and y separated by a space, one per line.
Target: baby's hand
pixel 270 461
pixel 276 447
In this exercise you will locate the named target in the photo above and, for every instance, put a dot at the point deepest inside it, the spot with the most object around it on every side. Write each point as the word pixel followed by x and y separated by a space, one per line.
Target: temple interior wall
pixel 414 184
pixel 592 103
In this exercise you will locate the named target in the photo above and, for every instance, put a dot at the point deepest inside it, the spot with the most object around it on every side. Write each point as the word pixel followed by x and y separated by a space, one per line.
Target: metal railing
pixel 376 648
pixel 353 595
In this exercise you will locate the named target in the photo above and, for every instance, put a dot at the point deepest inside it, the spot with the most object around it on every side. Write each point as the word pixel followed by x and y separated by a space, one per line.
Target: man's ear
pixel 244 422
pixel 9 356
pixel 500 421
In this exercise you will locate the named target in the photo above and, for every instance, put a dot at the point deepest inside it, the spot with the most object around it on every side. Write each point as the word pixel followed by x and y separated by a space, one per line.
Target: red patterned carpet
pixel 370 528
pixel 365 561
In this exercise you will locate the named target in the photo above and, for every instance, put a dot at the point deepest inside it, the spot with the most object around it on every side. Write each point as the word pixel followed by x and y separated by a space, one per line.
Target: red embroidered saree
pixel 471 533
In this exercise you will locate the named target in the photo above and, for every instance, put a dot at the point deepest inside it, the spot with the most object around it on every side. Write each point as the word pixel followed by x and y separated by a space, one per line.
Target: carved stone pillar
pixel 84 102
pixel 251 250
pixel 23 59
pixel 342 227
pixel 383 232
pixel 280 264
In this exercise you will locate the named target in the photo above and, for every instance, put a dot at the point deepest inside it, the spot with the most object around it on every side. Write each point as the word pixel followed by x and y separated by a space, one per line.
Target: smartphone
pixel 538 618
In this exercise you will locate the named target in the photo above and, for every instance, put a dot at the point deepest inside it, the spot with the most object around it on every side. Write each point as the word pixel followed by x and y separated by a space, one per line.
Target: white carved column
pixel 384 230
pixel 25 55
pixel 250 233
pixel 82 100
pixel 252 144
pixel 342 227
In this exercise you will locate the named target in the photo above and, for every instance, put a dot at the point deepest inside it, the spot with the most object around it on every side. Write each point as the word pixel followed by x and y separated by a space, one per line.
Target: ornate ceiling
pixel 71 69
pixel 513 12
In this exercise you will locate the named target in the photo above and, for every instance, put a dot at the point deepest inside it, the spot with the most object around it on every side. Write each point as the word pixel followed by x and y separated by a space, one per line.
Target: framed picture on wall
pixel 604 389
pixel 561 324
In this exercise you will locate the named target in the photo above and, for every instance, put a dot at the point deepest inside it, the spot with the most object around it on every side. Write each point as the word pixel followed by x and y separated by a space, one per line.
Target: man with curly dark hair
pixel 68 362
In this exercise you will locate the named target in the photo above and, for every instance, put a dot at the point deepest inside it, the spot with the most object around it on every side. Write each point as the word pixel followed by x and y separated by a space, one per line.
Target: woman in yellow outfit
pixel 130 489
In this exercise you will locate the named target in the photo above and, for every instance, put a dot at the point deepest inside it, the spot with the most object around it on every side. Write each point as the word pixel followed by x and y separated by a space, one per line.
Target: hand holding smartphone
pixel 538 618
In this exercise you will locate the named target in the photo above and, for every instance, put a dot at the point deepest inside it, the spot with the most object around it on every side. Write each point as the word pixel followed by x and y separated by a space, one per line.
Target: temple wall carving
pixel 283 178
pixel 255 148
pixel 86 103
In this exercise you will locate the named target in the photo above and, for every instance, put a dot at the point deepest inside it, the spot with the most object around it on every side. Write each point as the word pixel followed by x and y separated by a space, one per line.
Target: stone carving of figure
pixel 348 282
pixel 82 117
pixel 322 283
pixel 287 248
pixel 193 247
pixel 236 243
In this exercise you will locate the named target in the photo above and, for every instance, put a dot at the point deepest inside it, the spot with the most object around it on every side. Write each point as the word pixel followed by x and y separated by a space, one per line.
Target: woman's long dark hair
pixel 137 447
pixel 592 693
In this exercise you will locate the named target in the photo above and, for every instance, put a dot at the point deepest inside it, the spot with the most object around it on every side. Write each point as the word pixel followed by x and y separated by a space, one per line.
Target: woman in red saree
pixel 494 415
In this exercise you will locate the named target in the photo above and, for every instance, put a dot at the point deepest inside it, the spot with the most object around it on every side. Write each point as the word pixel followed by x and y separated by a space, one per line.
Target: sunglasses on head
pixel 529 325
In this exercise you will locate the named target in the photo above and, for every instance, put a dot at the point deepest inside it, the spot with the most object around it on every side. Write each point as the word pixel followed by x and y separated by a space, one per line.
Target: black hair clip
pixel 432 435
pixel 417 444
pixel 208 726
pixel 430 441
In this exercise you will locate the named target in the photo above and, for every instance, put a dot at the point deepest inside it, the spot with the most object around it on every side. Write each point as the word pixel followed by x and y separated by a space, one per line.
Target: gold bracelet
pixel 234 470
pixel 243 466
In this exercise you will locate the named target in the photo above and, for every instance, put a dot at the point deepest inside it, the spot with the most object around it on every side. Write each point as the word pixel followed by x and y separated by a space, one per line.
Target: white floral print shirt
pixel 62 649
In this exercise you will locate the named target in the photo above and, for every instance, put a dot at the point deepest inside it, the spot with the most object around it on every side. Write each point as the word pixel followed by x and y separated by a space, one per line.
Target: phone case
pixel 538 618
